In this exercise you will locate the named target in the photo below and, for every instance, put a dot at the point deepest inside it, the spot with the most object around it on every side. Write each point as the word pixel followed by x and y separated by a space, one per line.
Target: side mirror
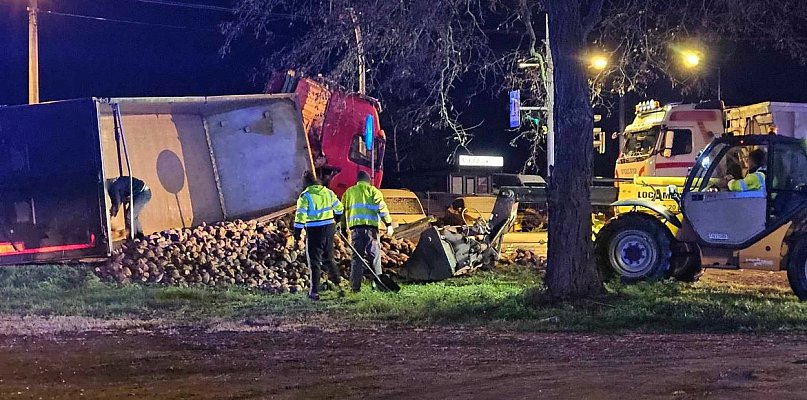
pixel 672 190
pixel 669 140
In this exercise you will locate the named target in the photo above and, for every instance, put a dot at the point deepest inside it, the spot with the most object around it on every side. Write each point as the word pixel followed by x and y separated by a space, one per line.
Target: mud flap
pixel 432 260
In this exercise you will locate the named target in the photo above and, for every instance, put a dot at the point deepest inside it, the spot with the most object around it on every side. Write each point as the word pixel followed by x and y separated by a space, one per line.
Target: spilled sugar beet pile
pixel 248 253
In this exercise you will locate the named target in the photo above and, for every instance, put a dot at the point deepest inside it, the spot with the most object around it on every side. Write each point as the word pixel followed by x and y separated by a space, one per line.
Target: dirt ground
pixel 79 358
pixel 312 363
pixel 747 277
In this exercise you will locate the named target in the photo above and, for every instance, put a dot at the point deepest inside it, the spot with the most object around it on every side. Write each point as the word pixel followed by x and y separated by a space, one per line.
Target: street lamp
pixel 598 62
pixel 691 58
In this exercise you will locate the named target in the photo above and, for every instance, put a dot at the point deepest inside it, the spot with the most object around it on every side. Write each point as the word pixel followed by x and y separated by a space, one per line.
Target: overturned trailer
pixel 205 159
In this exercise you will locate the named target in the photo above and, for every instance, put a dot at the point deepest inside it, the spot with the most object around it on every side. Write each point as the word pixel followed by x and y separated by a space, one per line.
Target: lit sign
pixel 368 131
pixel 515 108
pixel 481 161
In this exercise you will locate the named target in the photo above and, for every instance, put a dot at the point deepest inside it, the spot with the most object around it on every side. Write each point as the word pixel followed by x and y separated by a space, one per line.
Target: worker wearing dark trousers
pixel 364 210
pixel 318 211
pixel 319 256
pixel 119 192
pixel 365 240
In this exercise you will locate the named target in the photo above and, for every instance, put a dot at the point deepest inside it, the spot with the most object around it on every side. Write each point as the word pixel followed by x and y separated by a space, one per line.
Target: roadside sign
pixel 481 161
pixel 515 108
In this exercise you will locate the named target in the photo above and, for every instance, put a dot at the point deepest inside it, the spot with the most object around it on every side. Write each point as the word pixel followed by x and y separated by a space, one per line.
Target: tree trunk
pixel 571 272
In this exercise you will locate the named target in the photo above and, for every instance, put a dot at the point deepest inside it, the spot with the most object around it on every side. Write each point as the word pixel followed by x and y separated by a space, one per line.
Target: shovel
pixel 383 280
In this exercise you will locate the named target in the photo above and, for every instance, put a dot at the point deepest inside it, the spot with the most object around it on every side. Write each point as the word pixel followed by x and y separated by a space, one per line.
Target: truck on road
pixel 206 159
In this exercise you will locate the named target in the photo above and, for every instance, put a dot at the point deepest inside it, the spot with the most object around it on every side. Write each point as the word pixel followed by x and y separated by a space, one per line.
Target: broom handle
pixel 366 264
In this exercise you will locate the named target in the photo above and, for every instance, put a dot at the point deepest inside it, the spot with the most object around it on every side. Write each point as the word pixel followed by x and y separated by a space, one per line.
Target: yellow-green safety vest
pixel 317 206
pixel 365 206
pixel 753 182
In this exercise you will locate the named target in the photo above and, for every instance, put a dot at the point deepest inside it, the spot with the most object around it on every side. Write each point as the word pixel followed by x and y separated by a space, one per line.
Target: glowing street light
pixel 598 62
pixel 690 58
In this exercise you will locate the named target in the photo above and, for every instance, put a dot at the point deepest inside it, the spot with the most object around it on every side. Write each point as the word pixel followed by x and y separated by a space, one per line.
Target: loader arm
pixel 655 207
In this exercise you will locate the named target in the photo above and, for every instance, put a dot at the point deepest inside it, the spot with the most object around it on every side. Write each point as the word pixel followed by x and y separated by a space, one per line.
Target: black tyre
pixel 796 263
pixel 687 267
pixel 635 247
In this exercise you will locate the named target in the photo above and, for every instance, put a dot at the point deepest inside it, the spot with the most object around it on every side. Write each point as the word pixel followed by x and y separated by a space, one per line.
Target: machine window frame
pixel 359 154
pixel 677 149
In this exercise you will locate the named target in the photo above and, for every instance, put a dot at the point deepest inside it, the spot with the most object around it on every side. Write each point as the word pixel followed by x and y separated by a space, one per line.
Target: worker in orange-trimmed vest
pixel 364 210
pixel 754 181
pixel 318 212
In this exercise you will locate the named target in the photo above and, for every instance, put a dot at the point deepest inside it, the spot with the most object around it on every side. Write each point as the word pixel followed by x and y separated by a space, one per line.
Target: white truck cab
pixel 665 140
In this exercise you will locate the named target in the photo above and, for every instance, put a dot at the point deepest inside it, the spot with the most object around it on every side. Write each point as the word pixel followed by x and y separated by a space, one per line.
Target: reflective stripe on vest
pixel 365 206
pixel 753 182
pixel 316 209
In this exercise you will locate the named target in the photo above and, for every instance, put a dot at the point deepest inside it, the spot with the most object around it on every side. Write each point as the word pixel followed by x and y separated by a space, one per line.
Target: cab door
pixel 718 216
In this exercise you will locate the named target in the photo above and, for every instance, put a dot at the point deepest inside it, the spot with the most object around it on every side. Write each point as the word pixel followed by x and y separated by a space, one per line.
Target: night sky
pixel 82 58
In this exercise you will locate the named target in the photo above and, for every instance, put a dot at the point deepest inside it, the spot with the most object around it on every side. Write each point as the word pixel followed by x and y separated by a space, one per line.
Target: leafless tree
pixel 416 52
pixel 644 39
pixel 571 272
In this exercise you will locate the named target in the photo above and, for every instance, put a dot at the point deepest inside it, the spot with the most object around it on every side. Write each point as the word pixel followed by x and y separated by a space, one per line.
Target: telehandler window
pixel 723 163
pixel 787 178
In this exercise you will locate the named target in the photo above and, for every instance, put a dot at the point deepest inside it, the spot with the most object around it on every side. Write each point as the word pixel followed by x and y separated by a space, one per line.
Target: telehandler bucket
pixel 441 252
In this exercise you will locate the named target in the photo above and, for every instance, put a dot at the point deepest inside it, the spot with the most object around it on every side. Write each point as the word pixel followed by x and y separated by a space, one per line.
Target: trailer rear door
pixel 51 194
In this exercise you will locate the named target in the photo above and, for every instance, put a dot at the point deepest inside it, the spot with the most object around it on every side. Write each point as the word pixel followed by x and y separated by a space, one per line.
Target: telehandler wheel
pixel 687 268
pixel 635 247
pixel 797 266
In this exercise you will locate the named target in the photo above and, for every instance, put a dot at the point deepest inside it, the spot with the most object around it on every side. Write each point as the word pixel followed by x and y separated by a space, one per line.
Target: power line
pixel 187 5
pixel 197 6
pixel 124 21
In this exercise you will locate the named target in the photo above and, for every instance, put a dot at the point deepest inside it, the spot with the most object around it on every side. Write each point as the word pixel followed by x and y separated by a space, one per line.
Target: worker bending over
pixel 364 210
pixel 318 211
pixel 755 179
pixel 120 194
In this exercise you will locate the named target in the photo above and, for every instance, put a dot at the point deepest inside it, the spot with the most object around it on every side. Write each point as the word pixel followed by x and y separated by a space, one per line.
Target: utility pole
pixel 359 51
pixel 621 111
pixel 719 88
pixel 33 52
pixel 550 103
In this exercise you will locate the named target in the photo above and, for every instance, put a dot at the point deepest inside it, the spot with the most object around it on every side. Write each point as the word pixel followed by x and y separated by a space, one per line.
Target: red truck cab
pixel 335 123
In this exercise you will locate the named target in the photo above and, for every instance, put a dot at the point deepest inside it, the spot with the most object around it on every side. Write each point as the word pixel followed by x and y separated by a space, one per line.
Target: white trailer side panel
pixel 208 158
pixel 260 154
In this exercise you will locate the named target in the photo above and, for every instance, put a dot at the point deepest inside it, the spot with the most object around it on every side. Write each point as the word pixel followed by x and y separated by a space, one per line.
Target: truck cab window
pixel 640 144
pixel 360 155
pixel 682 142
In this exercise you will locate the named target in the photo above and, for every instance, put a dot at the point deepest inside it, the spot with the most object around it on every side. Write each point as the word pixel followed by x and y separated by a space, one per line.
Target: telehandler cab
pixel 715 227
